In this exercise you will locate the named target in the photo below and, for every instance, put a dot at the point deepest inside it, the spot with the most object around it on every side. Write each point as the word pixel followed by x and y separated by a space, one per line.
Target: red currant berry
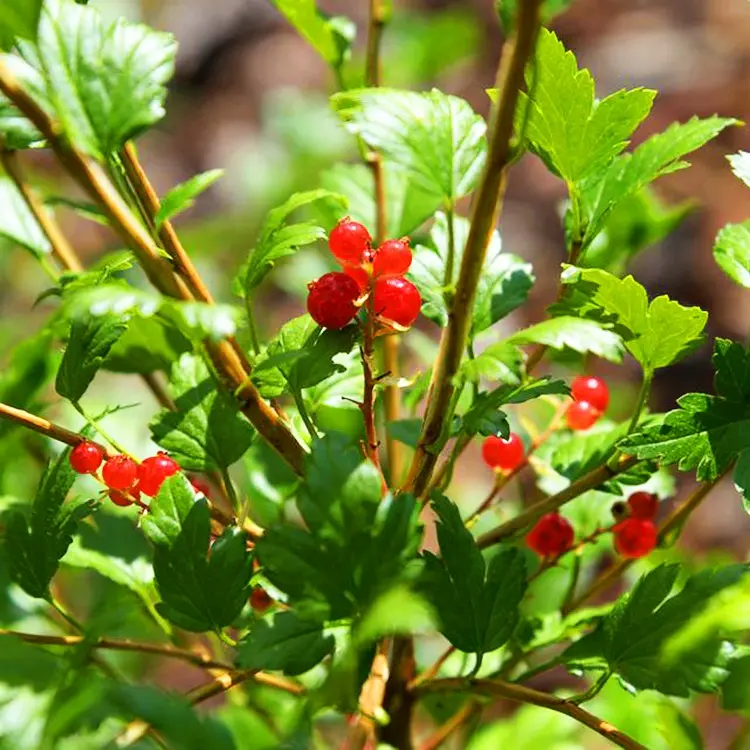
pixel 153 471
pixel 202 487
pixel 348 242
pixel 392 259
pixel 643 505
pixel 591 390
pixel 331 300
pixel 121 499
pixel 397 300
pixel 120 472
pixel 635 537
pixel 581 415
pixel 260 601
pixel 86 457
pixel 551 535
pixel 359 275
pixel 499 453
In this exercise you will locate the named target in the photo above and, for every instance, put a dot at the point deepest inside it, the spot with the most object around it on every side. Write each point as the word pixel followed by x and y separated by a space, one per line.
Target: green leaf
pixel 406 431
pixel 407 205
pixel 17 224
pixel 278 240
pixel 103 82
pixel 19 18
pixel 742 478
pixel 573 133
pixel 580 335
pixel 707 432
pixel 16 131
pixel 659 155
pixel 629 640
pixel 206 432
pixel 507 10
pixel 183 196
pixel 88 346
pixel 301 356
pixel 680 732
pixel 148 345
pixel 735 695
pixel 476 602
pixel 199 591
pixel 740 163
pixel 498 362
pixel 331 38
pixel 284 642
pixel 398 610
pixel 503 285
pixel 25 665
pixel 437 138
pixel 35 548
pixel 732 252
pixel 656 334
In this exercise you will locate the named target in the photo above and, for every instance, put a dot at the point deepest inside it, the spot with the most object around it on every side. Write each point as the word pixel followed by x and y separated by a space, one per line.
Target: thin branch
pixel 431 672
pixel 392 400
pixel 485 211
pixel 61 249
pixel 590 481
pixel 371 699
pixel 464 714
pixel 673 522
pixel 522 694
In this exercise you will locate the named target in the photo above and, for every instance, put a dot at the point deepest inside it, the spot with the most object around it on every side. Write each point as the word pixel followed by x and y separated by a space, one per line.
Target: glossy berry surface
pixel 397 300
pixel 592 390
pixel 348 242
pixel 260 601
pixel 635 537
pixel 551 536
pixel 86 457
pixel 330 301
pixel 643 505
pixel 499 453
pixel 120 472
pixel 153 471
pixel 392 259
pixel 581 415
pixel 121 499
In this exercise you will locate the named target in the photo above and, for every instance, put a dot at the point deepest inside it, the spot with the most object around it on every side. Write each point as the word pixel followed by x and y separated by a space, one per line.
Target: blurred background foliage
pixel 251 97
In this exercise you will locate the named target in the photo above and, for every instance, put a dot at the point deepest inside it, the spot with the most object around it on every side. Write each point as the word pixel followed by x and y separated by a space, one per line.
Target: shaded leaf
pixel 183 196
pixel 732 252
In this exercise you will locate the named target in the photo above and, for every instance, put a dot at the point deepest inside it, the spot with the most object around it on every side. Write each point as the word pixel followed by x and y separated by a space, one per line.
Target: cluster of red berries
pixel 590 399
pixel 503 455
pixel 126 479
pixel 635 536
pixel 375 274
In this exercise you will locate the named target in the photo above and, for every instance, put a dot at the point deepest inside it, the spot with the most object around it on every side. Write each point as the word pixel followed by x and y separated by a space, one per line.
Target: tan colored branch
pixel 485 211
pixel 464 714
pixel 590 481
pixel 522 694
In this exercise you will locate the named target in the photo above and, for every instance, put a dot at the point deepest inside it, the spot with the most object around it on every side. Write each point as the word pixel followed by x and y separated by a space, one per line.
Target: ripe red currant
pixel 592 390
pixel 260 601
pixel 121 499
pixel 201 486
pixel 392 259
pixel 120 472
pixel 359 275
pixel 499 453
pixel 635 537
pixel 86 457
pixel 581 415
pixel 330 301
pixel 397 300
pixel 643 505
pixel 551 535
pixel 348 241
pixel 153 471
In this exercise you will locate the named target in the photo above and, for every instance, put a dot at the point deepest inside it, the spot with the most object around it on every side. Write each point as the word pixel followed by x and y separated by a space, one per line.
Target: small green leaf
pixel 707 432
pixel 656 334
pixel 629 640
pixel 16 131
pixel 183 196
pixel 580 335
pixel 35 549
pixel 573 133
pixel 206 431
pixel 732 252
pixel 476 602
pixel 735 695
pixel 17 224
pixel 437 138
pixel 742 478
pixel 168 511
pixel 500 362
pixel 19 18
pixel 88 346
pixel 286 643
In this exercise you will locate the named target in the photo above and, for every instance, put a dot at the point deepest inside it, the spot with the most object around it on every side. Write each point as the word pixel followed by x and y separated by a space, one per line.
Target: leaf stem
pixel 302 409
pixel 63 612
pixel 450 259
pixel 251 324
pixel 594 690
pixel 485 210
pixel 95 424
pixel 643 394
pixel 522 694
